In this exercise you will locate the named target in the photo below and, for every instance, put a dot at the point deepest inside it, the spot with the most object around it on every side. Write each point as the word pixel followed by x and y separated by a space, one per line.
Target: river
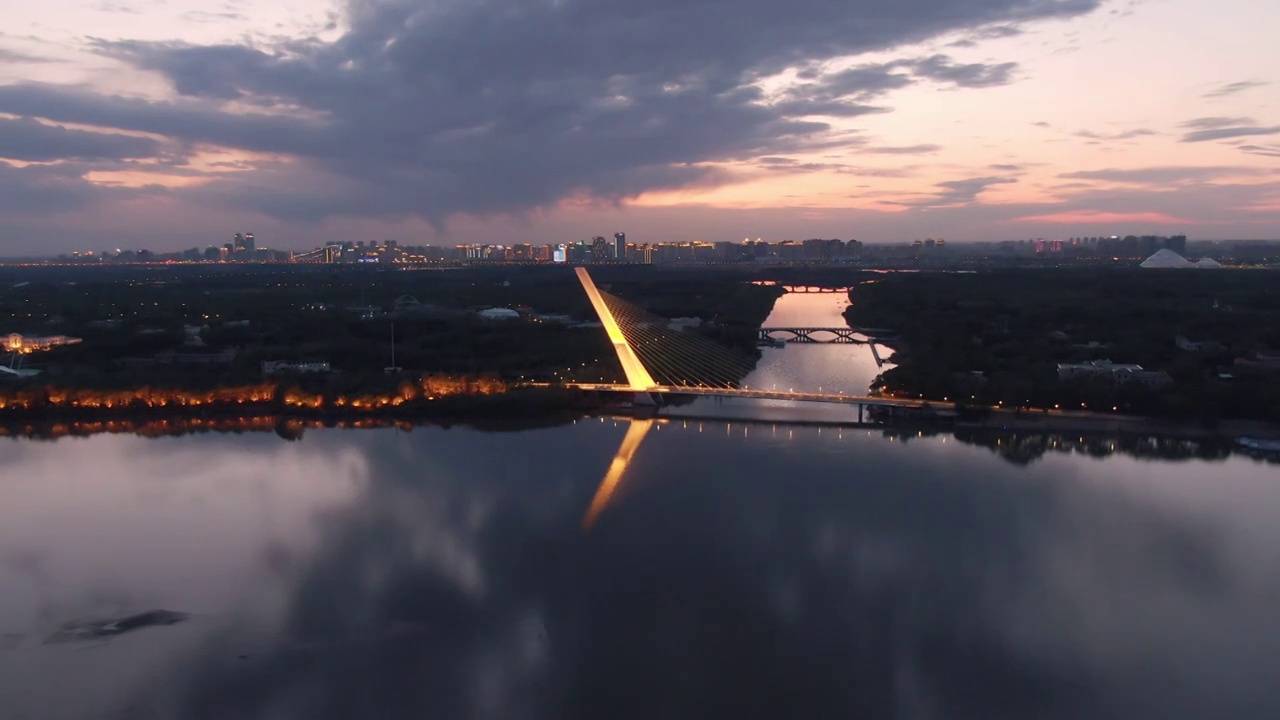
pixel 610 569
pixel 803 367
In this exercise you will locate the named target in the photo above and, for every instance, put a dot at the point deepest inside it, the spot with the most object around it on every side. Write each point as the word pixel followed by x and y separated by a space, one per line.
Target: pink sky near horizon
pixel 1089 138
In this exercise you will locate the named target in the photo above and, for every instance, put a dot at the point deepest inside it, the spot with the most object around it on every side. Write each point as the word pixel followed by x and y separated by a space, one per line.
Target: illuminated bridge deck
pixel 870 400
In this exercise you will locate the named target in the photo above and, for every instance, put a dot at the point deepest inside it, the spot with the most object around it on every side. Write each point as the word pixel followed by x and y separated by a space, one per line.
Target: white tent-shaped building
pixel 1207 263
pixel 498 313
pixel 1165 258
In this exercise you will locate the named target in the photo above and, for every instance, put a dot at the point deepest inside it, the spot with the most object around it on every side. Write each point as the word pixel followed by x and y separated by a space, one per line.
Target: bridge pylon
pixel 638 378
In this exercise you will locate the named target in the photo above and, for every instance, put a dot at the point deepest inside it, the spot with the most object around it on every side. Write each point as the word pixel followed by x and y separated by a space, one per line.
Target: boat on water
pixel 1259 445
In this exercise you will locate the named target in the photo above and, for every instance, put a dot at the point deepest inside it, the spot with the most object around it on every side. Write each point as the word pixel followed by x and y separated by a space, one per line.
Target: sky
pixel 170 124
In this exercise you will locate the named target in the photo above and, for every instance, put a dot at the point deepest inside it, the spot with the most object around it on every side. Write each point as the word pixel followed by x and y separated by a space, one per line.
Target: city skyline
pixel 157 124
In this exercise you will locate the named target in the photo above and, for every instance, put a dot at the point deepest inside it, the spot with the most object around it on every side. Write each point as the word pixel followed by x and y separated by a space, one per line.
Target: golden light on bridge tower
pixel 638 378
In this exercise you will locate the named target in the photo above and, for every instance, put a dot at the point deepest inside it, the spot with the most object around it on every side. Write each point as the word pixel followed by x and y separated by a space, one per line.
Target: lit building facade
pixel 23 345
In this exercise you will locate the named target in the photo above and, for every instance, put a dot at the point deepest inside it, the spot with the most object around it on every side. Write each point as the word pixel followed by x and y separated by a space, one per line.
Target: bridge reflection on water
pixel 638 428
pixel 1017 446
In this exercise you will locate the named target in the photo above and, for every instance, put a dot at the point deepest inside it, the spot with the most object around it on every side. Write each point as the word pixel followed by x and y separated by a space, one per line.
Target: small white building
pixel 1165 259
pixel 499 314
pixel 1119 373
pixel 1197 346
pixel 1095 368
pixel 271 367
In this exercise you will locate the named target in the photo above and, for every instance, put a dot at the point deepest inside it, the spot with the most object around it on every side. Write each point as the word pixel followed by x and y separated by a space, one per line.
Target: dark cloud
pixel 14 56
pixel 994 32
pixel 782 164
pixel 116 7
pixel 903 149
pixel 845 93
pixel 1073 186
pixel 1125 135
pixel 1264 150
pixel 799 167
pixel 863 82
pixel 967 75
pixel 194 121
pixel 1162 175
pixel 1225 133
pixel 1213 123
pixel 31 141
pixel 47 189
pixel 904 172
pixel 204 16
pixel 1003 167
pixel 957 192
pixel 481 108
pixel 1233 88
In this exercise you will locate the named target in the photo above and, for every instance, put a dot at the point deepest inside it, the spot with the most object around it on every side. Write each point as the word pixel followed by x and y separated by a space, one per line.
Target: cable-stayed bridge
pixel 660 359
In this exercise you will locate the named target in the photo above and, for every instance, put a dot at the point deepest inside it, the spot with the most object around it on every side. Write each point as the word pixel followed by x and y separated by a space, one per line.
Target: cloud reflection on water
pixel 822 575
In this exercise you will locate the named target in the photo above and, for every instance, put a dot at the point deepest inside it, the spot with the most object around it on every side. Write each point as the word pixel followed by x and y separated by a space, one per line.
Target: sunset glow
pixel 1001 119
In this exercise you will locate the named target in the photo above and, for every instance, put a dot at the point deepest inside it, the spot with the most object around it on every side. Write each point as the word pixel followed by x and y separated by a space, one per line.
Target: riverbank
pixel 1121 425
pixel 58 413
pixel 1176 347
pixel 289 427
pixel 1018 439
pixel 54 415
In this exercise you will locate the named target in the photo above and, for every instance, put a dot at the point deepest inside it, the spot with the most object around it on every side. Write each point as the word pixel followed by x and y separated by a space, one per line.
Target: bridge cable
pixel 671 349
pixel 676 357
pixel 689 345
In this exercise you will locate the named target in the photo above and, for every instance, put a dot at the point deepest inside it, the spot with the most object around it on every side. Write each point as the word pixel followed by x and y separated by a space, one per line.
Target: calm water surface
pixel 731 570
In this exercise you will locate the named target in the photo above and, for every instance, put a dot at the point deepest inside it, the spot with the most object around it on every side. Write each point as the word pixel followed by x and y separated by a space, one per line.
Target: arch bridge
pixel 846 335
pixel 817 289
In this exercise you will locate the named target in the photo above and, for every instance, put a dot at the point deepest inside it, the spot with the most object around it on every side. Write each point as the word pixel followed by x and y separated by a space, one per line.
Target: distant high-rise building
pixel 600 250
pixel 242 245
pixel 620 245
